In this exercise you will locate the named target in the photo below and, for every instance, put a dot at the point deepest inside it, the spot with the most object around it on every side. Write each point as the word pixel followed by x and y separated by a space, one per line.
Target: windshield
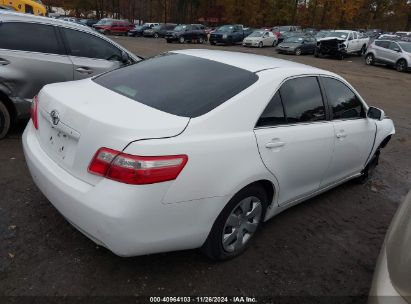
pixel 406 46
pixel 257 34
pixel 284 28
pixel 225 28
pixel 343 35
pixel 294 40
pixel 180 28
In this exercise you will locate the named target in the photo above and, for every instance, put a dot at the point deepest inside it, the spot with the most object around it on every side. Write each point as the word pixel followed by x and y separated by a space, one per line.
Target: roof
pixel 15 16
pixel 246 61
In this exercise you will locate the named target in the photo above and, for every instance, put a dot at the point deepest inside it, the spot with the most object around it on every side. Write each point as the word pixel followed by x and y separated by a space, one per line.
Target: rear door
pixel 90 54
pixel 294 138
pixel 31 56
pixel 354 133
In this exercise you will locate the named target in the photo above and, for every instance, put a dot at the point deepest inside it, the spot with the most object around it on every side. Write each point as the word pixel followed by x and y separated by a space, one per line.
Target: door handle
pixel 274 144
pixel 341 134
pixel 84 70
pixel 4 61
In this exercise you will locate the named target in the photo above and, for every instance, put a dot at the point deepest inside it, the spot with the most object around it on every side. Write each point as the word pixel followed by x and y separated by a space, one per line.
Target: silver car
pixel 35 51
pixel 393 53
pixel 392 276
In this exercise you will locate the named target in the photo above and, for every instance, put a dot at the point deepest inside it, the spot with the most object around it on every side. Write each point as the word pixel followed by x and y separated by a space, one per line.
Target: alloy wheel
pixel 298 51
pixel 369 59
pixel 401 65
pixel 241 224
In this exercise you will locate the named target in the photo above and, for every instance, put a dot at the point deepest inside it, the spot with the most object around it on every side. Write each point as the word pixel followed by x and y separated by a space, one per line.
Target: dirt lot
pixel 326 246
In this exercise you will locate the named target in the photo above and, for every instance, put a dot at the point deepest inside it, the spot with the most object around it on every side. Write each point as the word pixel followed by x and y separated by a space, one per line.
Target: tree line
pixel 389 15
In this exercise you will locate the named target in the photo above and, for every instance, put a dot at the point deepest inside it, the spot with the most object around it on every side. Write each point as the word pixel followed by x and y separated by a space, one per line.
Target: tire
pixel 5 120
pixel 156 35
pixel 260 44
pixel 401 65
pixel 181 40
pixel 253 200
pixel 298 52
pixel 316 53
pixel 369 59
pixel 212 42
pixel 168 40
pixel 200 40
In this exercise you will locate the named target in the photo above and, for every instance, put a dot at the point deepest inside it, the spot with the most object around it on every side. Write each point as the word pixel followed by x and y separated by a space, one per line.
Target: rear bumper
pixel 129 220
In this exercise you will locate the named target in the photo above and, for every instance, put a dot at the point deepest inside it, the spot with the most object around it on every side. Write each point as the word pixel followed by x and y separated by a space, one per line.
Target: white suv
pixel 394 53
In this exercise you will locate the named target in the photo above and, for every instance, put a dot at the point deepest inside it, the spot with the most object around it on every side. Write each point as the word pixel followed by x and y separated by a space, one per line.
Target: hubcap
pixel 241 224
pixel 369 59
pixel 298 52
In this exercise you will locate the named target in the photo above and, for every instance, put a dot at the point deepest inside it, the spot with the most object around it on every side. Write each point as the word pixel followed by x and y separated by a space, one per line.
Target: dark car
pixel 285 35
pixel 228 34
pixel 186 32
pixel 88 22
pixel 297 45
pixel 138 30
pixel 159 30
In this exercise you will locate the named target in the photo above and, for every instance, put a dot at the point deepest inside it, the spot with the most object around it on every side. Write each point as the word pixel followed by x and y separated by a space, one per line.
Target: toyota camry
pixel 196 148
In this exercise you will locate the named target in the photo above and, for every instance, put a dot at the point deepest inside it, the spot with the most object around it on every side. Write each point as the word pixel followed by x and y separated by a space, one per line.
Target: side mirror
pixel 125 58
pixel 375 113
pixel 397 50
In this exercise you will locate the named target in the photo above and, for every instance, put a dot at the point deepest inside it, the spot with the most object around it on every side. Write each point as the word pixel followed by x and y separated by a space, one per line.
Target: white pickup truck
pixel 341 43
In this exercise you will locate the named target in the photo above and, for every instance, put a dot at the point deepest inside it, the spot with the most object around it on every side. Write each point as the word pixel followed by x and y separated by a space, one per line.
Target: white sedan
pixel 260 39
pixel 196 148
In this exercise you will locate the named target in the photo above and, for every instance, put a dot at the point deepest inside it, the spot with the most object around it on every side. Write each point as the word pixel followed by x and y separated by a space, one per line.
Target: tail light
pixel 34 112
pixel 136 170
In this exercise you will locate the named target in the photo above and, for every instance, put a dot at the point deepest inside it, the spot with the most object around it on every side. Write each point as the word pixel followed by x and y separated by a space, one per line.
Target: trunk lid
pixel 78 118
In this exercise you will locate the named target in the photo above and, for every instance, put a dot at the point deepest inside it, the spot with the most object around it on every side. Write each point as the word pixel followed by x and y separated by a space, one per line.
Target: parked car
pixel 392 275
pixel 341 43
pixel 228 34
pixel 392 53
pixel 88 22
pixel 186 32
pixel 26 65
pixel 281 30
pixel 114 27
pixel 138 30
pixel 287 35
pixel 137 186
pixel 260 39
pixel 297 45
pixel 159 30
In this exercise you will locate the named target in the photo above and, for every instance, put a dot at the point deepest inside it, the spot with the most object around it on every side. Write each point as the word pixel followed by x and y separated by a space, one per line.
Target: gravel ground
pixel 327 246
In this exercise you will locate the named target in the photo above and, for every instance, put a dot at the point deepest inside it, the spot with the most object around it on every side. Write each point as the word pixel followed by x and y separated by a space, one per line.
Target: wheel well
pixel 385 141
pixel 402 60
pixel 9 105
pixel 268 188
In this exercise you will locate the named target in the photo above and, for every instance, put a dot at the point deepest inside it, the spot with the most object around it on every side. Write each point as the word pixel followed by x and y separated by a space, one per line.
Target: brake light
pixel 34 112
pixel 136 170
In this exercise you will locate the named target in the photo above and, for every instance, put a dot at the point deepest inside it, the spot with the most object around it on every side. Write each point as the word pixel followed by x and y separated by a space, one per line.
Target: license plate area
pixel 61 145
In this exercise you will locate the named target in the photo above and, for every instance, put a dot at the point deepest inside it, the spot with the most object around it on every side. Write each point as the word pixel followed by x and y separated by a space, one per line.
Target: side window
pixel 28 9
pixel 383 44
pixel 86 45
pixel 343 102
pixel 355 35
pixel 394 46
pixel 302 100
pixel 42 38
pixel 273 114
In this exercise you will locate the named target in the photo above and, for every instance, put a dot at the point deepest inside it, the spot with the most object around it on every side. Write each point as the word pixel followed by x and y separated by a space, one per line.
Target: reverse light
pixel 136 170
pixel 34 112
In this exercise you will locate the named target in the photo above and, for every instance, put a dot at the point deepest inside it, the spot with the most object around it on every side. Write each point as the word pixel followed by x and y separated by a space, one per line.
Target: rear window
pixel 179 84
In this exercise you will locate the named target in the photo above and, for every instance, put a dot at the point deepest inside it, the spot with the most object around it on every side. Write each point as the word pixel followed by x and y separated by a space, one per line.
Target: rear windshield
pixel 178 84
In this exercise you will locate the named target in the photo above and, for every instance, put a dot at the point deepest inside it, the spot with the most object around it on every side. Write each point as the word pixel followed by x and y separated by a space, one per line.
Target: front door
pixel 354 133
